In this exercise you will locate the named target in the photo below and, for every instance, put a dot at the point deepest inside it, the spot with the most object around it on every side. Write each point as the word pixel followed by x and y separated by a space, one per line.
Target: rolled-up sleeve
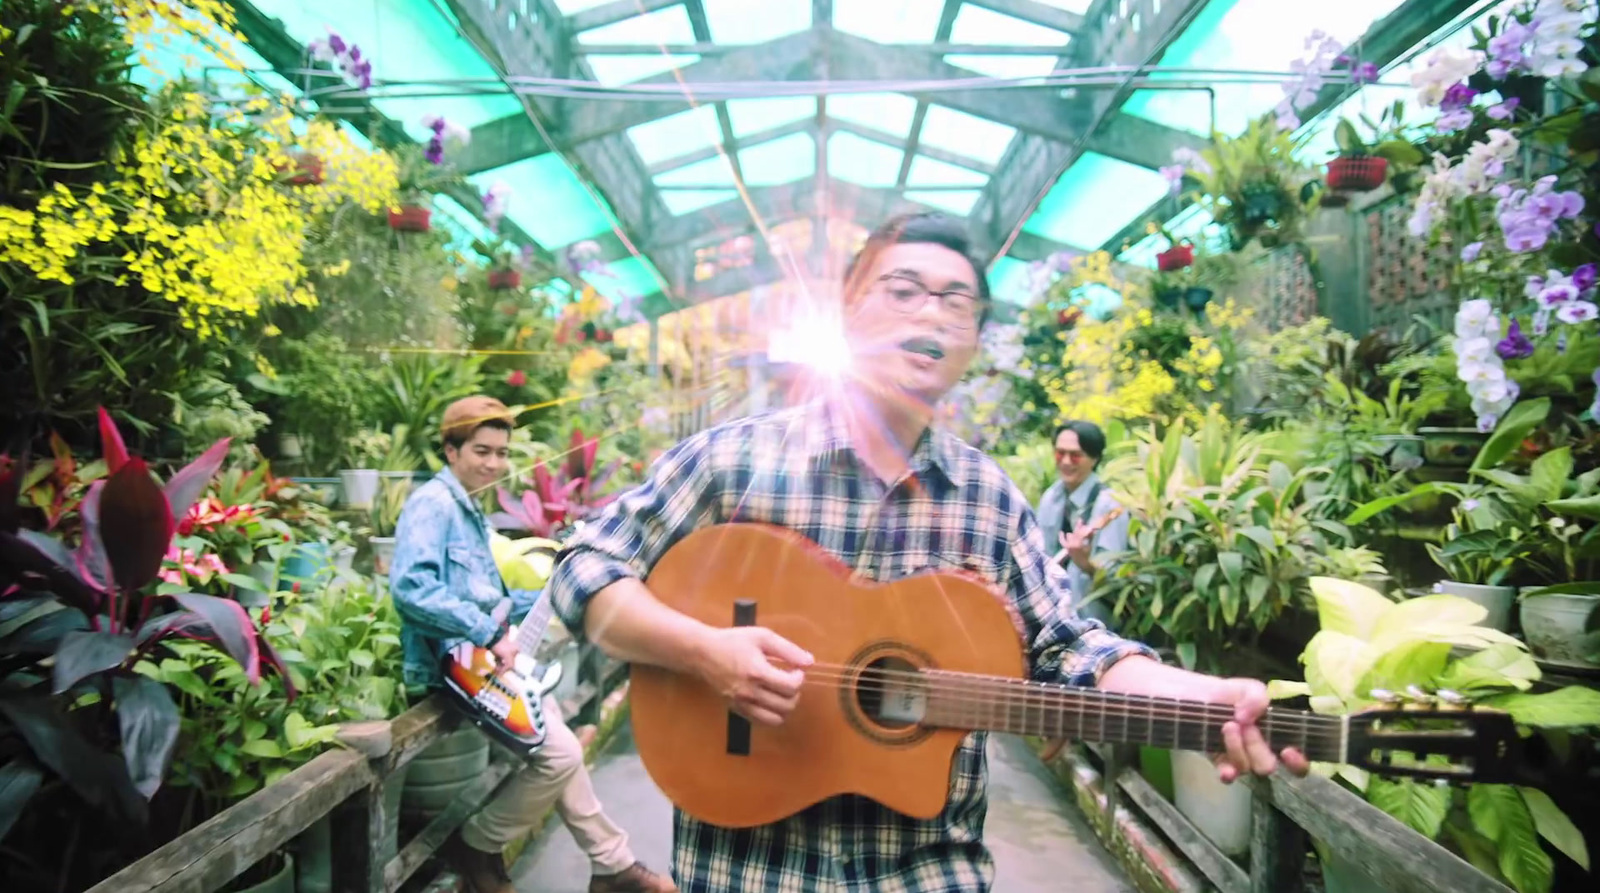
pixel 1064 646
pixel 633 532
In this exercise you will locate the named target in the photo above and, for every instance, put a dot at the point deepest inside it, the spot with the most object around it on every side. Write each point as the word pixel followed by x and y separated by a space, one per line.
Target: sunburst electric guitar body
pixel 905 670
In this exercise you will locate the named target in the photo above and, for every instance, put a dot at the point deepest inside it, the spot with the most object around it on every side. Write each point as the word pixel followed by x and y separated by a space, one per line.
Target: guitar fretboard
pixel 959 701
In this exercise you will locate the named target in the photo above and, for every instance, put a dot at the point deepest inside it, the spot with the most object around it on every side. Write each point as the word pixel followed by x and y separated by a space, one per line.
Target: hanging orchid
pixel 443 131
pixel 344 56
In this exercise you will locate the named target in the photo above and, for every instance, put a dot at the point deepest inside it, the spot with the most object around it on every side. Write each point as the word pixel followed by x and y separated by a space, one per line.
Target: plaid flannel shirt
pixel 956 509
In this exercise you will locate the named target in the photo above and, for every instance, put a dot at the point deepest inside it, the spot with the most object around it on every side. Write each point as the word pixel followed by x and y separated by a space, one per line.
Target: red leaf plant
pixel 555 501
pixel 81 619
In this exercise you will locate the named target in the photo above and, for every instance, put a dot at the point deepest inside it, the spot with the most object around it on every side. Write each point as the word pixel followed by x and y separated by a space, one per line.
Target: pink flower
pixel 185 564
pixel 516 378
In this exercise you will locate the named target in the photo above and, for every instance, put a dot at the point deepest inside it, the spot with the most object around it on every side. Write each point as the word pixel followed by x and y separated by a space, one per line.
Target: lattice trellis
pixel 1405 278
pixel 1282 288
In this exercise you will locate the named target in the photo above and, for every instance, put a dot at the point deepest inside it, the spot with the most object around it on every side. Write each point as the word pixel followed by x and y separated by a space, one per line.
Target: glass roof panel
pixel 888 112
pixel 926 171
pixel 890 21
pixel 1078 6
pixel 1008 280
pixel 1004 66
pixel 548 200
pixel 741 21
pixel 611 71
pixel 783 160
pixel 863 161
pixel 710 172
pixel 568 7
pixel 974 137
pixel 1116 189
pixel 674 135
pixel 975 24
pixel 1262 35
pixel 685 201
pixel 956 201
pixel 668 25
pixel 630 278
pixel 405 40
pixel 755 115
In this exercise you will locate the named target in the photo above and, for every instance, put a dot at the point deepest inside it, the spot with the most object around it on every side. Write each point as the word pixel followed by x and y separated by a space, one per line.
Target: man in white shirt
pixel 1075 502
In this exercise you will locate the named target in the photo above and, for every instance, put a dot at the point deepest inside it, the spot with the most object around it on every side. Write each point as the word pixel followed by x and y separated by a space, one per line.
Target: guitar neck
pixel 975 703
pixel 531 631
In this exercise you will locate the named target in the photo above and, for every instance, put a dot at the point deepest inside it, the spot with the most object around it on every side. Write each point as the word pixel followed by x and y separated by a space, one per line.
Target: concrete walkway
pixel 1039 839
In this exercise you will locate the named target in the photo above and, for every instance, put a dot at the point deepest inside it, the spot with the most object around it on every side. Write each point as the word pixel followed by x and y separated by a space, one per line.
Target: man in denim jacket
pixel 445 585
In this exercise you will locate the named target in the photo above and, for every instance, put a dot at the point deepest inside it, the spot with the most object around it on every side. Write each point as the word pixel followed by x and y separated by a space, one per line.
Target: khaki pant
pixel 556 776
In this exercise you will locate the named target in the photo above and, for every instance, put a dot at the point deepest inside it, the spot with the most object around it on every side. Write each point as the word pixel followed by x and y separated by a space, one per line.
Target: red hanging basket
pixel 1357 174
pixel 306 167
pixel 500 280
pixel 410 218
pixel 1175 258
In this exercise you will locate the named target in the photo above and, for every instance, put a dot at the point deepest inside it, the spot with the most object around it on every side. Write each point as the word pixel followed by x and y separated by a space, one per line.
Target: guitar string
pixel 969 693
pixel 975 707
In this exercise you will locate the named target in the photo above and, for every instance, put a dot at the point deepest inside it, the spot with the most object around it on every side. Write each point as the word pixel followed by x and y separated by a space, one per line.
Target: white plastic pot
pixel 1220 811
pixel 1496 599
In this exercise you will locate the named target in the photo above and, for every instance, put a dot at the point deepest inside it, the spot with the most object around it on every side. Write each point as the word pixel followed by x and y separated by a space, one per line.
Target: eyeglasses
pixel 908 296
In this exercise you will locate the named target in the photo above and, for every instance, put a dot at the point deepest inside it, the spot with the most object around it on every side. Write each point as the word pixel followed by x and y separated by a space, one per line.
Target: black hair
pixel 460 434
pixel 919 228
pixel 1090 437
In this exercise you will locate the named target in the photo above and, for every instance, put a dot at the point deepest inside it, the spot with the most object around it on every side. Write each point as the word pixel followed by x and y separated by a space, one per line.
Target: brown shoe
pixel 636 879
pixel 480 872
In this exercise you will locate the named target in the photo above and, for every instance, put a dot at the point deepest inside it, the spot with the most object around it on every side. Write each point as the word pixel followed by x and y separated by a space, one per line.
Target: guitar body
pixel 832 743
pixel 506 703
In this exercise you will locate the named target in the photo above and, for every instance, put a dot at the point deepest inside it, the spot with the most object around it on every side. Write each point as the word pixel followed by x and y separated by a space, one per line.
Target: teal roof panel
pixel 890 21
pixel 889 112
pixel 750 116
pixel 406 40
pixel 969 135
pixel 744 22
pixel 862 161
pixel 675 135
pixel 1095 199
pixel 548 201
pixel 956 201
pixel 783 160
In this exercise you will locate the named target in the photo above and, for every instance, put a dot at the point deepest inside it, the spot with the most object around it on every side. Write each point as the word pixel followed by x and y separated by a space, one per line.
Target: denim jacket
pixel 443 578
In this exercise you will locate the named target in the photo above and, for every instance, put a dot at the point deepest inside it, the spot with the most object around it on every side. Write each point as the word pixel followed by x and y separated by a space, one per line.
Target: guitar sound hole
pixel 890 695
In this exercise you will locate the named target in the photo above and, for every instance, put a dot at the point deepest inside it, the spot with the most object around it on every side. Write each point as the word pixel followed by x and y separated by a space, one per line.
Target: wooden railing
pixel 353 787
pixel 1285 810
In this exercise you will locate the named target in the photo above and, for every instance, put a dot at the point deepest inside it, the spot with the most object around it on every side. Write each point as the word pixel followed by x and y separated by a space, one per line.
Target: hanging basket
pixel 1357 174
pixel 1175 258
pixel 410 218
pixel 306 169
pixel 502 280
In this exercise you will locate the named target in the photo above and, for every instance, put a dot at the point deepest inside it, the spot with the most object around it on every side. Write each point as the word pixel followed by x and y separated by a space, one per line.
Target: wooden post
pixel 364 839
pixel 1277 847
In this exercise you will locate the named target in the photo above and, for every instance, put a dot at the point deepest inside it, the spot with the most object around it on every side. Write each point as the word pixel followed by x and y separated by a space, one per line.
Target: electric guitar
pixel 1089 532
pixel 904 671
pixel 506 702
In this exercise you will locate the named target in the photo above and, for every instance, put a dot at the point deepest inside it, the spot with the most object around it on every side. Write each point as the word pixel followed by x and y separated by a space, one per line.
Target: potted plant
pixel 392 495
pixel 1252 184
pixel 423 172
pixel 1361 165
pixel 1369 646
pixel 365 451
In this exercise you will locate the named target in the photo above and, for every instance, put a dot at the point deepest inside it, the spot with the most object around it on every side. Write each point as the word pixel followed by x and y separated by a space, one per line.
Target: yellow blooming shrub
pixel 201 207
pixel 1140 365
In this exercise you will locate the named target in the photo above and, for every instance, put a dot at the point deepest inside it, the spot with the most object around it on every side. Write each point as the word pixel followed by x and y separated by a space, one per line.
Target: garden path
pixel 1038 836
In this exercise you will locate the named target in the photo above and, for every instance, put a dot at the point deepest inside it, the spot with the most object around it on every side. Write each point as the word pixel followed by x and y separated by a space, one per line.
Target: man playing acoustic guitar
pixel 860 474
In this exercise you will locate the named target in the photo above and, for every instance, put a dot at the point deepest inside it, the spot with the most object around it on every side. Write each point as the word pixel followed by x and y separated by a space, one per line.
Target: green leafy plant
pixel 79 622
pixel 1369 644
pixel 1221 541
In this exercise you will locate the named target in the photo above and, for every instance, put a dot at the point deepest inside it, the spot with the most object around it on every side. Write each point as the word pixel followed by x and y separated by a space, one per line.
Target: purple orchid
pixel 1584 277
pixel 1515 345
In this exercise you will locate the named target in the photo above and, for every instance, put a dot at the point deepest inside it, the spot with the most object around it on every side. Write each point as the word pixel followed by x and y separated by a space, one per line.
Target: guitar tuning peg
pixel 1453 699
pixel 1419 694
pixel 1384 695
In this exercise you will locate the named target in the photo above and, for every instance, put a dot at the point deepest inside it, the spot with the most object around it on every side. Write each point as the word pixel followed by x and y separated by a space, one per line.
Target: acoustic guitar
pixel 905 670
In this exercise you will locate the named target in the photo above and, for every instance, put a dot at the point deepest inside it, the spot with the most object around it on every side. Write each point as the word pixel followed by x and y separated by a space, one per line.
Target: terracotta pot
pixel 501 280
pixel 410 218
pixel 1175 258
pixel 1357 174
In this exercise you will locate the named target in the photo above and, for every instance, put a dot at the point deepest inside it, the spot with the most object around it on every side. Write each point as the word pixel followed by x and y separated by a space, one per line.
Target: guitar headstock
pixel 1434 736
